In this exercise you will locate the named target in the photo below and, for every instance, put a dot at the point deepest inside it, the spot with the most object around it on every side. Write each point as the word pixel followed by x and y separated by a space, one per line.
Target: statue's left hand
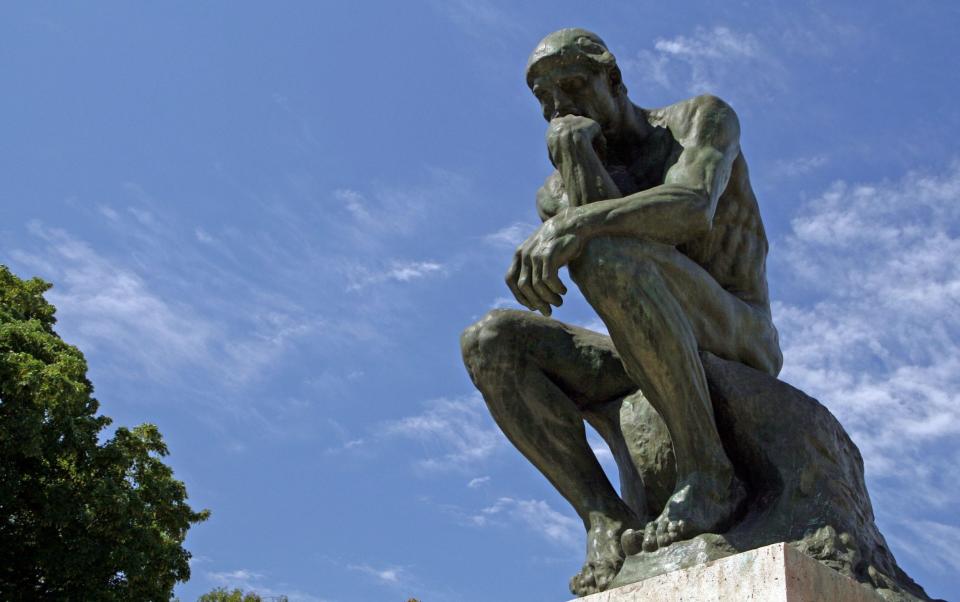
pixel 533 276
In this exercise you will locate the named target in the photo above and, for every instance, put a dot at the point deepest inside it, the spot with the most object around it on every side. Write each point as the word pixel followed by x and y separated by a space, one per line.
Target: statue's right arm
pixel 551 197
pixel 683 206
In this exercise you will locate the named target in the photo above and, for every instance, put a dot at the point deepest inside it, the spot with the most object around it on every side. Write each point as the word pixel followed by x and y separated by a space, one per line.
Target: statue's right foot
pixel 604 556
pixel 699 505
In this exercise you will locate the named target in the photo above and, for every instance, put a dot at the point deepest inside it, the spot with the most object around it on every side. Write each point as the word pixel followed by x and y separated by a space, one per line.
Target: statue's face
pixel 576 89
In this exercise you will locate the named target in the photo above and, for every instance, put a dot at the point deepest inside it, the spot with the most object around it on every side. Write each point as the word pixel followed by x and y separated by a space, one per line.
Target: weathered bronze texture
pixel 653 213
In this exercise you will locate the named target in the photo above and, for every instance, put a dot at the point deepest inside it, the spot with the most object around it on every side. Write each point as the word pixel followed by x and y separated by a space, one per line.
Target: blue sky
pixel 266 225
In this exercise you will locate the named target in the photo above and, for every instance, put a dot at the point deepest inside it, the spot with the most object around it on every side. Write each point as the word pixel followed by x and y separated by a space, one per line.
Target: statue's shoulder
pixel 690 117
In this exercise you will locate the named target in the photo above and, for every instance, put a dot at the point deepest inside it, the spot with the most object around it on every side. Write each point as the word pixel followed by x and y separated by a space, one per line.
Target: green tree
pixel 80 518
pixel 223 595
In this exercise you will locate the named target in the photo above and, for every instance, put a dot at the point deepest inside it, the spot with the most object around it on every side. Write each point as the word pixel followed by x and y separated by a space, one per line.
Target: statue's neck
pixel 630 134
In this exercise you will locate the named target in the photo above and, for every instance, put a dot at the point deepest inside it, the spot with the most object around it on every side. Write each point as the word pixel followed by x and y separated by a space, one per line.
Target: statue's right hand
pixel 569 136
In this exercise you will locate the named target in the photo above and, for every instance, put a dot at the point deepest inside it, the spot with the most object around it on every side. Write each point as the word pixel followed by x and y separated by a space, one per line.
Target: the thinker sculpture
pixel 653 214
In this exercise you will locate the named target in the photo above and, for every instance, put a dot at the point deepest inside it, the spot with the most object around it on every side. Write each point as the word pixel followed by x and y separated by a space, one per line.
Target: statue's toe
pixel 632 542
pixel 650 537
pixel 582 584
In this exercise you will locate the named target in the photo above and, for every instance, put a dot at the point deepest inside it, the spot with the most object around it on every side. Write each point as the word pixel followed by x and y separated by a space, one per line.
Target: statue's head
pixel 571 71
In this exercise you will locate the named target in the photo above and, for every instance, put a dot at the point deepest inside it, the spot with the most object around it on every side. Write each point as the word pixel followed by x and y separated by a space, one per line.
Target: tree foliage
pixel 237 595
pixel 80 519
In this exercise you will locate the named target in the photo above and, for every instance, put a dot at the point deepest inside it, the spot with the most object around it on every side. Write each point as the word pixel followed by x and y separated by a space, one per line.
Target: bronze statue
pixel 653 213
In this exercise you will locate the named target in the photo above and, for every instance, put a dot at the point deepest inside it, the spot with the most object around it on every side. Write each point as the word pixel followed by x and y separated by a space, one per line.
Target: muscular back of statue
pixel 653 213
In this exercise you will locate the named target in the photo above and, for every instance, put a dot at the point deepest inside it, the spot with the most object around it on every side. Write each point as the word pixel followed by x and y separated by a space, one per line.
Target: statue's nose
pixel 562 105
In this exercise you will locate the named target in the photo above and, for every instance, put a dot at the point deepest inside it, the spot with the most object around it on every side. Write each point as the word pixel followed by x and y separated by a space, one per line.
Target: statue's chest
pixel 647 167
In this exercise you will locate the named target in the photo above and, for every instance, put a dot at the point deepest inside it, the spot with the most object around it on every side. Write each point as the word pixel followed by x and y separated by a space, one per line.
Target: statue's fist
pixel 571 135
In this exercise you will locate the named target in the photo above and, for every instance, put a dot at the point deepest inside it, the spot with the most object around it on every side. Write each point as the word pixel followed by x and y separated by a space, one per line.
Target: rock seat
pixel 803 474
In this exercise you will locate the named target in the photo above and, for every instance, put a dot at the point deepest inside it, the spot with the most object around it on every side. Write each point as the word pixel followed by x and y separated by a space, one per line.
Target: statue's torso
pixel 734 251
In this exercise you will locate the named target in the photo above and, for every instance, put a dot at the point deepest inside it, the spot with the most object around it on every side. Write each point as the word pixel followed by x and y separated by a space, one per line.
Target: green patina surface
pixel 653 213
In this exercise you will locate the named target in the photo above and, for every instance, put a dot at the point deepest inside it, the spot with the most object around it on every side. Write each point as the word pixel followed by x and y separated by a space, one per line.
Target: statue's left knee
pixel 607 260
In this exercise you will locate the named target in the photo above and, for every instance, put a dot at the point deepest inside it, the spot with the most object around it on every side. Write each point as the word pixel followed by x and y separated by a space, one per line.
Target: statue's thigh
pixel 721 322
pixel 582 363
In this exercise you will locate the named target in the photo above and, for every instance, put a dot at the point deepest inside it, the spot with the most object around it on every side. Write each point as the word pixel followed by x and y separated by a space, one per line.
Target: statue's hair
pixel 575 45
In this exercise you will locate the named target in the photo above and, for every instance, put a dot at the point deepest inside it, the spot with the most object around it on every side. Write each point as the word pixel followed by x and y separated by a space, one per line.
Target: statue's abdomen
pixel 734 251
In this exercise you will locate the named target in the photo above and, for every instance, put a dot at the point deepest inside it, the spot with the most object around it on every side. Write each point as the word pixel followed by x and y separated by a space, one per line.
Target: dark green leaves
pixel 79 519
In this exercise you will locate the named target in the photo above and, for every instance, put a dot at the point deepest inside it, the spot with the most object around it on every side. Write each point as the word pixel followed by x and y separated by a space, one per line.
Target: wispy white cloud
pixel 391 575
pixel 799 166
pixel 478 482
pixel 111 304
pixel 480 18
pixel 203 236
pixel 350 445
pixel 405 271
pixel 880 342
pixel 161 295
pixel 460 430
pixel 272 333
pixel 381 214
pixel 505 302
pixel 536 515
pixel 105 303
pixel 818 35
pixel 397 271
pixel 937 544
pixel 228 577
pixel 710 60
pixel 510 236
pixel 397 578
pixel 348 442
pixel 253 582
pixel 378 222
pixel 108 212
pixel 354 203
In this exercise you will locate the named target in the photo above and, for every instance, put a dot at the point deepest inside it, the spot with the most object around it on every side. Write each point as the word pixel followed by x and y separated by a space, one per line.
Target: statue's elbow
pixel 701 221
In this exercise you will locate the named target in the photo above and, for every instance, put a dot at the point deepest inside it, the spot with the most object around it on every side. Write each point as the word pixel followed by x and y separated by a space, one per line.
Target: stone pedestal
pixel 776 573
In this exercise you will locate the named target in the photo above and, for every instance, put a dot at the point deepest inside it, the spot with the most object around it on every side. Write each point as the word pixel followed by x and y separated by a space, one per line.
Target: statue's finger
pixel 514 266
pixel 511 280
pixel 551 277
pixel 525 284
pixel 539 285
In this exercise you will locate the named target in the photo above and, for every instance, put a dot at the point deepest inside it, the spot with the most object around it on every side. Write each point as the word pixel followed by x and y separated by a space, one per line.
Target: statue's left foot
pixel 699 505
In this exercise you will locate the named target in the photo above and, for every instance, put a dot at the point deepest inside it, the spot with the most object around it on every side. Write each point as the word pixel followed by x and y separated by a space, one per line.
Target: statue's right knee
pixel 491 340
